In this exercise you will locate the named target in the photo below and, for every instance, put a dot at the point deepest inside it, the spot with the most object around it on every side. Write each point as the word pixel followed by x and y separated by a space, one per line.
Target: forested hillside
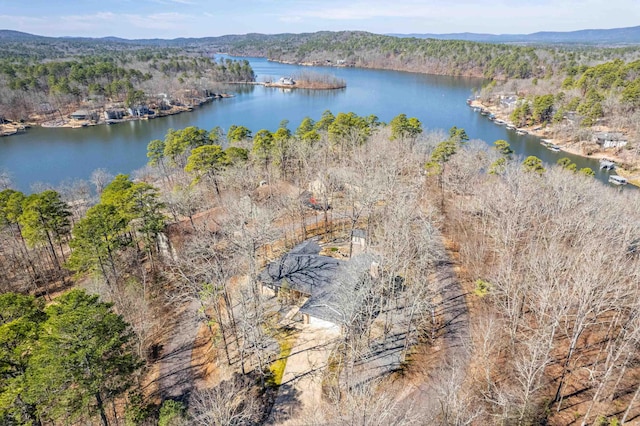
pixel 484 288
pixel 578 107
pixel 449 57
pixel 49 78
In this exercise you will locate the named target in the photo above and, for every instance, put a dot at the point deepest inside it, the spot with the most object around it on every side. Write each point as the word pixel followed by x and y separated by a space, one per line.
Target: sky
pixel 202 18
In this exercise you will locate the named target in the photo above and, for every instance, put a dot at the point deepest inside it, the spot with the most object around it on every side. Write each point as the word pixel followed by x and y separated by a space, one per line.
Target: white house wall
pixel 614 144
pixel 323 324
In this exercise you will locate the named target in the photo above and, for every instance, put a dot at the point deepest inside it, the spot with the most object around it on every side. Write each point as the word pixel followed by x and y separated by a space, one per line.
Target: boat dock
pixel 607 164
pixel 617 180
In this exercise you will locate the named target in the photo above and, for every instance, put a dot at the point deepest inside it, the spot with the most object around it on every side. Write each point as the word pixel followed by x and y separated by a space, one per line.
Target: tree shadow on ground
pixel 288 404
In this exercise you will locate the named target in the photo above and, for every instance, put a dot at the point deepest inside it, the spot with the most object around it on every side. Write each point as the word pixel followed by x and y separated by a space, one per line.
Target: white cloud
pixel 495 16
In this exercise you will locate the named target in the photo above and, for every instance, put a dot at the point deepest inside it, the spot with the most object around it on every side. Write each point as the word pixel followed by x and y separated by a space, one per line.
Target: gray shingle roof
pixel 323 278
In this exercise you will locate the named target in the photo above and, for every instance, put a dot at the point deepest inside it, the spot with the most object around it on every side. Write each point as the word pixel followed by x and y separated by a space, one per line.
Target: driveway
pixel 301 389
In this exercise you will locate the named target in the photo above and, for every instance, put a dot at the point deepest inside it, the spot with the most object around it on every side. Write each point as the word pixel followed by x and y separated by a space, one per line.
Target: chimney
pixel 374 271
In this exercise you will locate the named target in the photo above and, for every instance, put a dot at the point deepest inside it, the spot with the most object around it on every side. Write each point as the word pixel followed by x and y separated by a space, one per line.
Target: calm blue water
pixel 56 155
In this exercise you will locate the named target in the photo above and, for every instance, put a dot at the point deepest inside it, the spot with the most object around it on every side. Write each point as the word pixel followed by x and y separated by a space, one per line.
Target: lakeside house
pixel 139 111
pixel 327 283
pixel 610 139
pixel 84 115
pixel 114 114
pixel 508 101
pixel 81 114
pixel 287 81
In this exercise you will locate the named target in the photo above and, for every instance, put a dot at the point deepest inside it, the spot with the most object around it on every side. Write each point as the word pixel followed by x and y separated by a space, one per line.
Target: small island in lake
pixel 308 80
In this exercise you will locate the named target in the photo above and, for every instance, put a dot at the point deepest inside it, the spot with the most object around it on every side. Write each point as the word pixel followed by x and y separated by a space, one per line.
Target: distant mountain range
pixel 614 36
pixel 18 36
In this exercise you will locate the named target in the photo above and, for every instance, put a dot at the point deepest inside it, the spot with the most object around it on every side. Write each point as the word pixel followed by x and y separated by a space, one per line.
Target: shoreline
pixel 76 124
pixel 574 148
pixel 12 128
pixel 69 123
pixel 308 85
pixel 476 74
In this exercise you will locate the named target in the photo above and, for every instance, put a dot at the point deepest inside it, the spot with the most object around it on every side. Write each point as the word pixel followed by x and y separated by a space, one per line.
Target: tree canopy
pixel 69 359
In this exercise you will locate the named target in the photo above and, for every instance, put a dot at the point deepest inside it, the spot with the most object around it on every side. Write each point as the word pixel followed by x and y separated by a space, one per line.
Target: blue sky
pixel 200 18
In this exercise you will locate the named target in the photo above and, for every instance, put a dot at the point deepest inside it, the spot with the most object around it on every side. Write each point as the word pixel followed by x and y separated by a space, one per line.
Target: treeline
pixel 377 51
pixel 35 228
pixel 200 152
pixel 88 76
pixel 38 230
pixel 97 75
pixel 75 358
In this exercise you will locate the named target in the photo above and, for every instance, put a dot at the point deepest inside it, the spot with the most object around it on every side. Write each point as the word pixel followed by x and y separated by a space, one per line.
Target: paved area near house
pixel 301 389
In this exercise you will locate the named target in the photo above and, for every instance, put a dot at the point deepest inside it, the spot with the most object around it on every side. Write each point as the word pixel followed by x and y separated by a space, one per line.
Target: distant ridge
pixel 614 36
pixel 18 35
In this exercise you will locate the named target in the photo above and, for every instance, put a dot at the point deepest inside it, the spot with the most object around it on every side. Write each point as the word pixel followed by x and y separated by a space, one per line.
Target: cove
pixel 56 155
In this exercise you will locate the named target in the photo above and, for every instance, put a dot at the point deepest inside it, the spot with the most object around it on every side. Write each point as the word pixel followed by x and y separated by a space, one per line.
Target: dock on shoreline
pixel 501 118
pixel 11 128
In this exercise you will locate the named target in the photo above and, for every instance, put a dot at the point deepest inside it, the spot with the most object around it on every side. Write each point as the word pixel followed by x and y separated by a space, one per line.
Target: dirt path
pixel 176 374
pixel 447 368
pixel 454 311
pixel 301 389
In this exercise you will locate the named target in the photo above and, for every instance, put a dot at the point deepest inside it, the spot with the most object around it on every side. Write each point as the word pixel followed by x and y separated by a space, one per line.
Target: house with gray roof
pixel 325 281
pixel 610 139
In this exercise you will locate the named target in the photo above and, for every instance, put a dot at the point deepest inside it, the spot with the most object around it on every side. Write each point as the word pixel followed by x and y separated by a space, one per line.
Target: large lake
pixel 55 155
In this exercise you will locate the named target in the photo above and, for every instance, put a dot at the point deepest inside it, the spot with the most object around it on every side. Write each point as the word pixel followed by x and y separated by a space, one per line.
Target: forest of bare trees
pixel 483 294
